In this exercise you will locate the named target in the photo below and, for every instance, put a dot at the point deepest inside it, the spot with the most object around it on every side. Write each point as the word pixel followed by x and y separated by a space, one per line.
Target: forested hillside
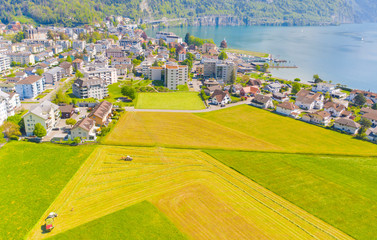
pixel 74 12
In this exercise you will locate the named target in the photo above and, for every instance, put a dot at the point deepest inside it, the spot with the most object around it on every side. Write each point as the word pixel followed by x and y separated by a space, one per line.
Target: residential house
pixel 334 109
pixel 289 109
pixel 320 117
pixel 182 55
pixel 155 73
pixel 309 100
pixel 66 111
pixel 371 116
pixel 90 88
pixel 206 47
pixel 67 68
pixel 21 75
pixel 53 75
pixel 45 113
pixel 372 134
pixel 368 95
pixel 7 87
pixel 30 87
pixel 115 53
pixel 84 129
pixel 119 61
pixel 3 110
pixel 251 91
pixel 274 87
pixel 262 101
pixel 101 113
pixel 324 88
pixel 78 64
pixel 78 45
pixel 220 97
pixel 280 97
pixel 254 82
pixel 346 125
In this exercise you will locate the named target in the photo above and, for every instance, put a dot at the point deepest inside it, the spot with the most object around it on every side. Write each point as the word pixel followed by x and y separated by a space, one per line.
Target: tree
pixel 365 123
pixel 317 79
pixel 245 78
pixel 136 62
pixel 360 100
pixel 128 92
pixel 187 38
pixel 69 59
pixel 11 129
pixel 374 106
pixel 223 44
pixel 78 74
pixel 296 87
pixel 266 67
pixel 77 140
pixel 297 80
pixel 144 46
pixel 232 77
pixel 257 67
pixel 223 56
pixel 50 35
pixel 60 97
pixel 70 121
pixel 39 72
pixel 39 130
pixel 18 37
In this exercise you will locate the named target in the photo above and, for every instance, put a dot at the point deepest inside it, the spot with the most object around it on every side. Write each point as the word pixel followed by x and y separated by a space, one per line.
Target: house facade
pixel 101 113
pixel 45 113
pixel 220 97
pixel 288 109
pixel 262 101
pixel 346 125
pixel 84 129
pixel 90 88
pixel 30 87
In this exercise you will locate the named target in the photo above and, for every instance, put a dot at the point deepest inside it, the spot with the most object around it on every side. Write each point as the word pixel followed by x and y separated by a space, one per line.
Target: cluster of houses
pixel 49 116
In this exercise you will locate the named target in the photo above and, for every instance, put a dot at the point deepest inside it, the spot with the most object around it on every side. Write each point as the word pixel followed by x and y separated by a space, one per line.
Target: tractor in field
pixel 50 221
pixel 128 158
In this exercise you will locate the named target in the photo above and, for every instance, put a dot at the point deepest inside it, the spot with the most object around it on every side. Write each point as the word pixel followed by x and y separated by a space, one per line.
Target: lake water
pixel 345 54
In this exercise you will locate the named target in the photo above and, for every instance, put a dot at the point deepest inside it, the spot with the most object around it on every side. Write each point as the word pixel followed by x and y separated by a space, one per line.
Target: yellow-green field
pixel 252 53
pixel 237 128
pixel 202 197
pixel 170 100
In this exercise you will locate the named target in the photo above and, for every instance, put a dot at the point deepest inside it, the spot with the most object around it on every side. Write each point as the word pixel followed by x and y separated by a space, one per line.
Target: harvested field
pixel 183 184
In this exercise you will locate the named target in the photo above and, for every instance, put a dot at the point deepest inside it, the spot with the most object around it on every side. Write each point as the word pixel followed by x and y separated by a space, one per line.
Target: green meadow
pixel 340 190
pixel 32 175
pixel 170 100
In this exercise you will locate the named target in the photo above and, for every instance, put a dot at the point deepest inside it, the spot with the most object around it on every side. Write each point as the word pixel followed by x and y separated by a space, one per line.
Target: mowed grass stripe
pixel 180 130
pixel 232 192
pixel 340 190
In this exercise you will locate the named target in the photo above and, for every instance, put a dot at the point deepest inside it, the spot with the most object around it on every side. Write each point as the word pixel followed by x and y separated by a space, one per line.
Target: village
pixel 72 84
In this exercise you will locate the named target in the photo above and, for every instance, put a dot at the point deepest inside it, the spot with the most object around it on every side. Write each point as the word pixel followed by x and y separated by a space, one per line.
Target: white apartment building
pixel 4 63
pixel 221 70
pixel 22 58
pixel 78 45
pixel 155 73
pixel 11 101
pixel 46 113
pixel 175 75
pixel 108 74
pixel 54 75
pixel 90 88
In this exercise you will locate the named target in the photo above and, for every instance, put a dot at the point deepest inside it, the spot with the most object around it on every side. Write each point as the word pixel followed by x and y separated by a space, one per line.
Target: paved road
pixel 210 109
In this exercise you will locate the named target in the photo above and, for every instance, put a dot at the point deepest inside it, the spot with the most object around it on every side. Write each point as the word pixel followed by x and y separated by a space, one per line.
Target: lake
pixel 345 54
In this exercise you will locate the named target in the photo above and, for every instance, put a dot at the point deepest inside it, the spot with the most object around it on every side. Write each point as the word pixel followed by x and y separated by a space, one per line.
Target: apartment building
pixel 222 71
pixel 30 87
pixel 107 74
pixel 24 58
pixel 4 63
pixel 54 75
pixel 45 113
pixel 90 88
pixel 175 75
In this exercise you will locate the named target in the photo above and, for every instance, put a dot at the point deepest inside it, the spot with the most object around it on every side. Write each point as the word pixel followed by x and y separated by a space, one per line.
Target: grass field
pixel 170 100
pixel 179 130
pixel 32 175
pixel 237 128
pixel 202 197
pixel 140 221
pixel 340 190
pixel 291 135
pixel 252 53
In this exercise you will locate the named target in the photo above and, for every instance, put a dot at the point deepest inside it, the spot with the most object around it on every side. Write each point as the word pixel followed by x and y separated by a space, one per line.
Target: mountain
pixel 274 12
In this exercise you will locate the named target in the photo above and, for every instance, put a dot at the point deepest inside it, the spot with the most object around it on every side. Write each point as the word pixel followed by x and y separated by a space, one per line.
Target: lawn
pixel 31 176
pixel 203 198
pixel 339 190
pixel 252 53
pixel 170 100
pixel 140 221
pixel 292 135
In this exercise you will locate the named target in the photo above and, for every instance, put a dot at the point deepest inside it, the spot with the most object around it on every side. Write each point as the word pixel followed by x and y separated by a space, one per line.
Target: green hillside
pixel 287 12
